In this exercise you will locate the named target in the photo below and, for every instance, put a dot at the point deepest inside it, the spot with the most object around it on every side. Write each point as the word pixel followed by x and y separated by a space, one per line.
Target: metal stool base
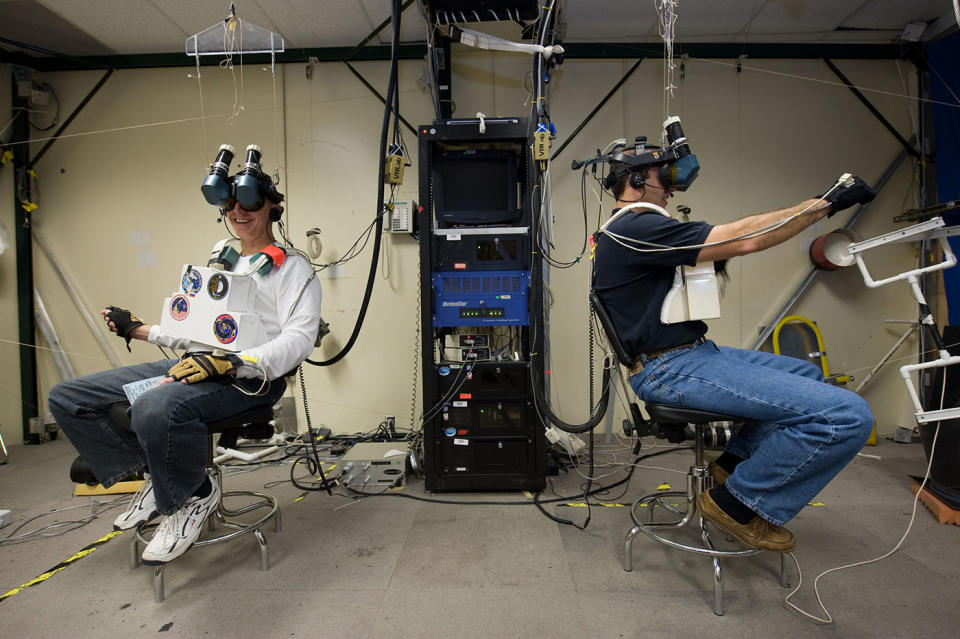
pixel 224 517
pixel 698 480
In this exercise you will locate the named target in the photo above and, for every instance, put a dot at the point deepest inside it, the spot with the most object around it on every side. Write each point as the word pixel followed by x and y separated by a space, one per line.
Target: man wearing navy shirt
pixel 800 431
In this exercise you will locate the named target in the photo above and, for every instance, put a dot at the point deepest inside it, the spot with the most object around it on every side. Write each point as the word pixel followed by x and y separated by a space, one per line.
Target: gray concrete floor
pixel 392 567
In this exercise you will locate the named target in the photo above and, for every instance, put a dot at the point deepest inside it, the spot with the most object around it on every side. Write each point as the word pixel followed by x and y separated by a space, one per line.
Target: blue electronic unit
pixel 489 298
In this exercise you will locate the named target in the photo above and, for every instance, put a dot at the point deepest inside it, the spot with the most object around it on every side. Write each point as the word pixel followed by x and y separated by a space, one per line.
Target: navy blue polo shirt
pixel 632 285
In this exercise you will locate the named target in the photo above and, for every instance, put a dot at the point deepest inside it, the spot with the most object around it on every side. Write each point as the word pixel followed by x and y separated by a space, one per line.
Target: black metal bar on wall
pixel 597 108
pixel 70 119
pixel 20 137
pixel 909 147
pixel 357 49
pixel 377 93
pixel 766 331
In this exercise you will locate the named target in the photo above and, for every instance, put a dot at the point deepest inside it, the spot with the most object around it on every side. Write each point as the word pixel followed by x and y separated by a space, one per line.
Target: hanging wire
pixel 203 122
pixel 232 25
pixel 667 12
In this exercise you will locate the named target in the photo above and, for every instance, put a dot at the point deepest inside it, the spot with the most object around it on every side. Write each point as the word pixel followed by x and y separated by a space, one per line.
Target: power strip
pixel 570 443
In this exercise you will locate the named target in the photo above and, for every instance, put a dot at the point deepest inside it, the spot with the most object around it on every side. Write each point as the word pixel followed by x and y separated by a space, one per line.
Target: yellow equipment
pixel 797 336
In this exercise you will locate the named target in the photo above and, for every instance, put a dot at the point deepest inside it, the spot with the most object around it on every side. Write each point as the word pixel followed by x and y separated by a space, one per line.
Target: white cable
pixel 913 514
pixel 956 11
pixel 471 38
pixel 263 384
pixel 385 261
pixel 622 240
pixel 314 245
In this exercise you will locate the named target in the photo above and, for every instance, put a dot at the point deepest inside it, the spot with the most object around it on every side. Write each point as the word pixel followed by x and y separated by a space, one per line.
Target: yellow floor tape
pixel 63 564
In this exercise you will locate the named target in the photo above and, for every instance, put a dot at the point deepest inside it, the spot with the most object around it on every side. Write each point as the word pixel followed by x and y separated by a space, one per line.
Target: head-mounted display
pixel 678 166
pixel 250 186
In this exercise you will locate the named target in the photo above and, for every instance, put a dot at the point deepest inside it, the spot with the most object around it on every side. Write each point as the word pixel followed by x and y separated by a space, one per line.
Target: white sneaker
pixel 142 508
pixel 177 532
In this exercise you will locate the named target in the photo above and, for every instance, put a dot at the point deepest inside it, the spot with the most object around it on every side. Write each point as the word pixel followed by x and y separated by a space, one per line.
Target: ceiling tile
pixel 161 26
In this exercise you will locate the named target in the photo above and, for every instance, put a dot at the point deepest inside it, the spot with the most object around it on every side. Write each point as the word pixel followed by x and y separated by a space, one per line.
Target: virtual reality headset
pixel 678 166
pixel 250 187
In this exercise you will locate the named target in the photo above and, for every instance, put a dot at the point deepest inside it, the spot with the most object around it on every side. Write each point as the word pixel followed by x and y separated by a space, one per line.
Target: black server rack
pixel 480 278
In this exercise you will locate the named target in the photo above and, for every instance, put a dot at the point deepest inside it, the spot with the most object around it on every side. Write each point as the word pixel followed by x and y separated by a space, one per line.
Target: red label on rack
pixel 459 266
pixel 466 395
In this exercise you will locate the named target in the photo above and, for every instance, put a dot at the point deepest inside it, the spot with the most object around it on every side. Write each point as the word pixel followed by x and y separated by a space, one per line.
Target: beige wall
pixel 765 140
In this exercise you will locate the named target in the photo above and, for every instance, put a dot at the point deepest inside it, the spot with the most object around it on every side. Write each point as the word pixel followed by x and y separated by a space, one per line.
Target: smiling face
pixel 254 228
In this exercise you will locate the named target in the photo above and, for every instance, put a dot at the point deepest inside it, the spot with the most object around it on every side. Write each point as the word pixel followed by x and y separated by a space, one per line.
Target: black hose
pixel 388 108
pixel 544 407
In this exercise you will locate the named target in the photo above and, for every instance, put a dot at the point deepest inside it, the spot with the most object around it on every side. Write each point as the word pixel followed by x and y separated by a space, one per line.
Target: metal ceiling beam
pixel 733 50
pixel 573 51
pixel 56 54
pixel 162 60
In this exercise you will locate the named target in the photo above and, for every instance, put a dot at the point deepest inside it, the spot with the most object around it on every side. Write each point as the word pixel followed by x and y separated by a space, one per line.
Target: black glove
pixel 197 367
pixel 843 197
pixel 125 321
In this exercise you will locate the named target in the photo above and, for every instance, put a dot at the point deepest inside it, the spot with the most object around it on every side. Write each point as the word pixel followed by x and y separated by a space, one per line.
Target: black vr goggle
pixel 678 166
pixel 250 187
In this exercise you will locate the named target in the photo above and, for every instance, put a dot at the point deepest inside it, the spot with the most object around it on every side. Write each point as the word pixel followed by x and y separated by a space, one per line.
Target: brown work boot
pixel 717 472
pixel 757 533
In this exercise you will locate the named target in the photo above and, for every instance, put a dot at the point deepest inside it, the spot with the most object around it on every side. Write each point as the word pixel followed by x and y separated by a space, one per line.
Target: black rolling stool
pixel 671 421
pixel 253 423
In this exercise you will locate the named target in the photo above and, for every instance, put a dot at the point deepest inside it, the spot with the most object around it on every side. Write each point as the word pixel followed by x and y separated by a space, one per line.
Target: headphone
pixel 637 167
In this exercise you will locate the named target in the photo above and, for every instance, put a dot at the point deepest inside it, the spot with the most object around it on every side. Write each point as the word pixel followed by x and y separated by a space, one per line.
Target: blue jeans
pixel 168 422
pixel 801 432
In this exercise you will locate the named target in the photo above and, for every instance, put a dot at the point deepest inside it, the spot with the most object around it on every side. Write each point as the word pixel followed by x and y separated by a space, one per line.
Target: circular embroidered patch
pixel 191 282
pixel 225 328
pixel 179 307
pixel 218 285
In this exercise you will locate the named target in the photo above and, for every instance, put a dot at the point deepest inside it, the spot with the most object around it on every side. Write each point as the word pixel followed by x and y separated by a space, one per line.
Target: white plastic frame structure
pixel 934 228
pixel 234 36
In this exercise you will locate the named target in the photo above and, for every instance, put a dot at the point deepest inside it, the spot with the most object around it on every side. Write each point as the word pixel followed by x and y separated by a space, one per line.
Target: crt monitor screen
pixel 475 186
